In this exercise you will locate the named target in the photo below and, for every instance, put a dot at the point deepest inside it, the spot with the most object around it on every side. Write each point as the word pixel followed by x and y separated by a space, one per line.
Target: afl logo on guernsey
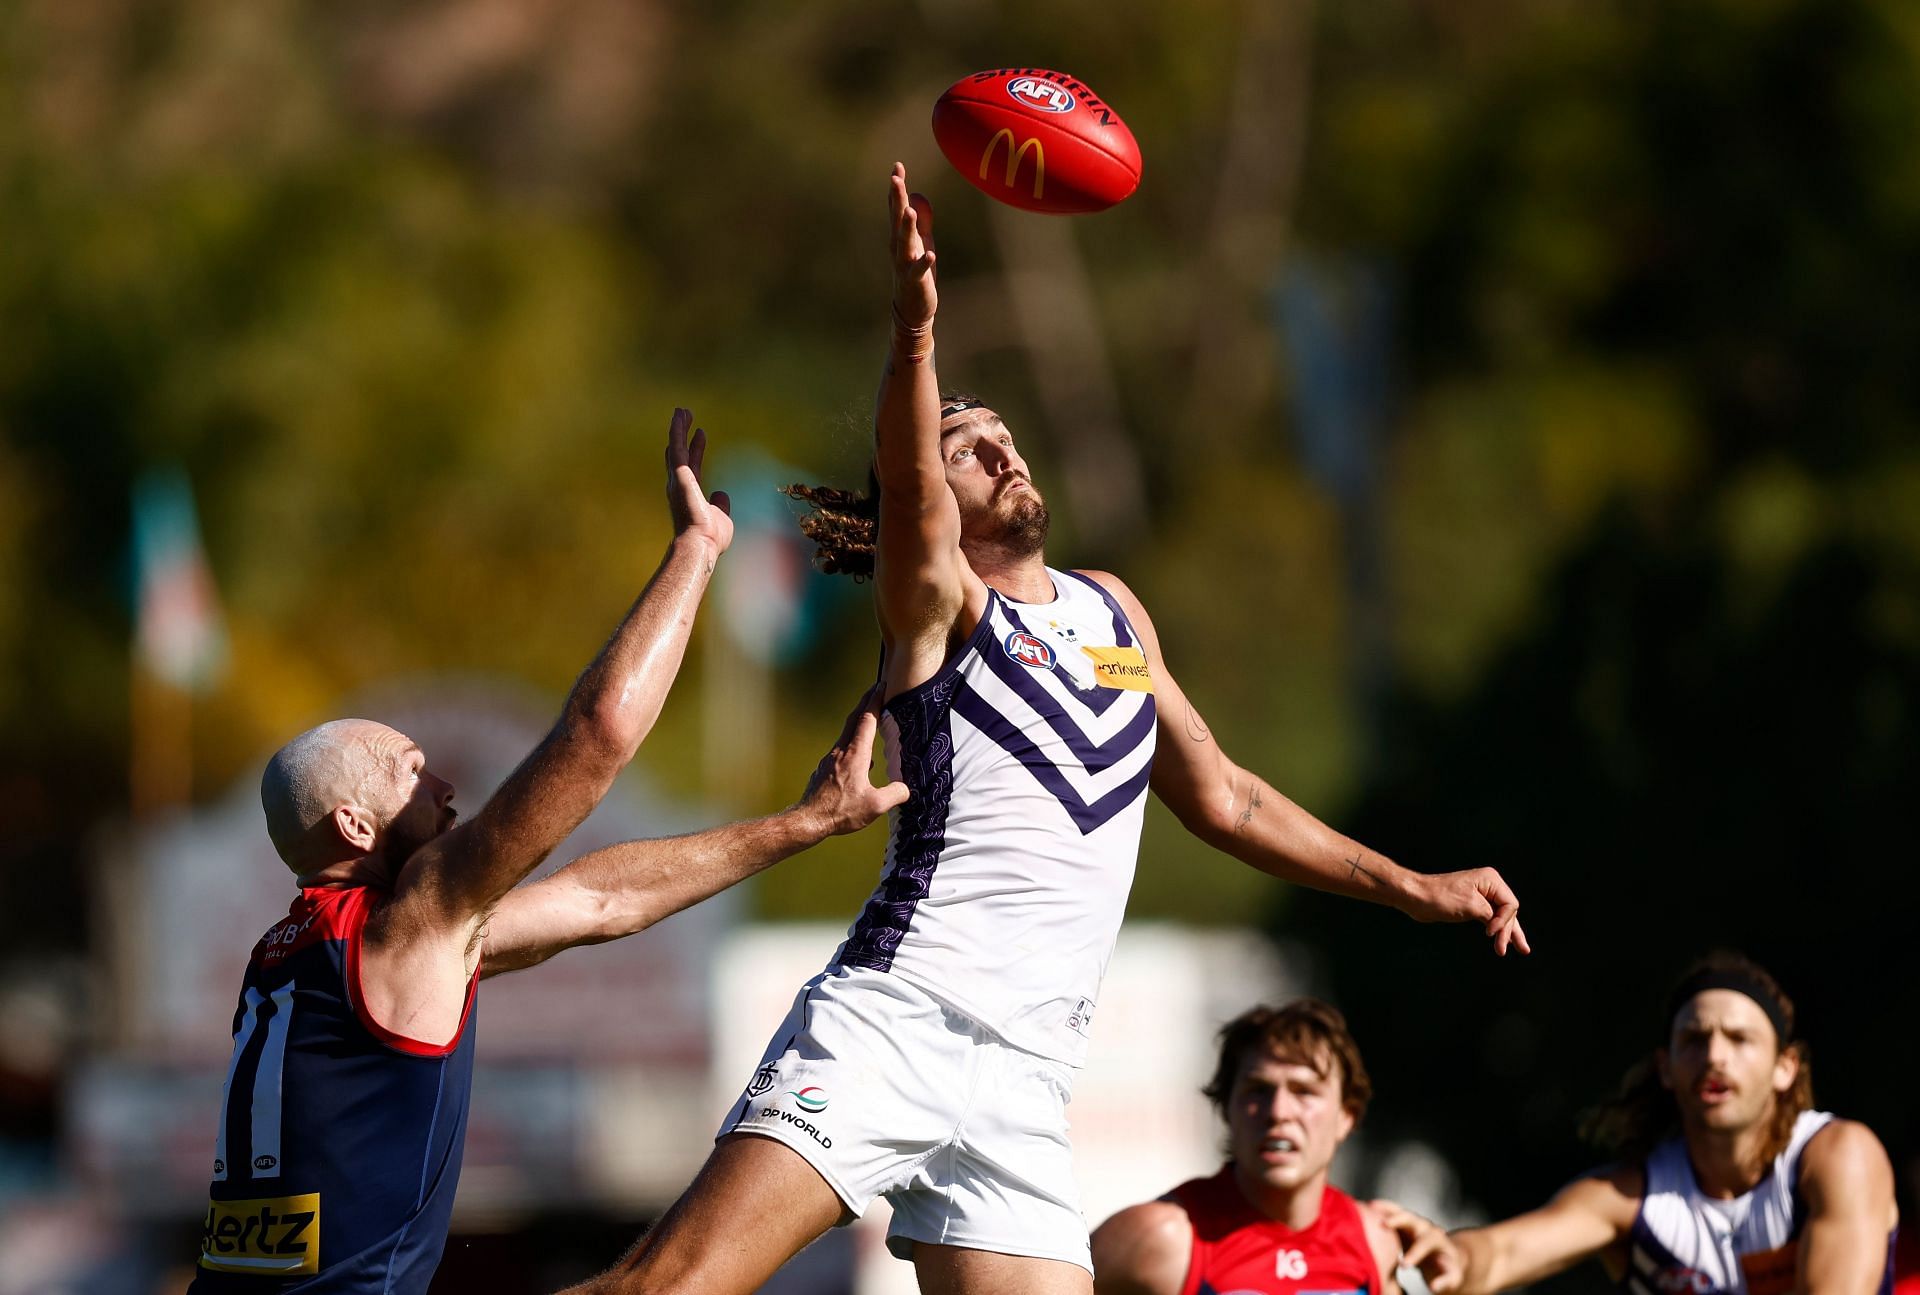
pixel 1041 95
pixel 1029 651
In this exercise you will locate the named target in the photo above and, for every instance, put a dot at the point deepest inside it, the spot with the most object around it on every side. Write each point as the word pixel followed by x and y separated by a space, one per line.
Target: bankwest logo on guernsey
pixel 1015 156
pixel 275 1237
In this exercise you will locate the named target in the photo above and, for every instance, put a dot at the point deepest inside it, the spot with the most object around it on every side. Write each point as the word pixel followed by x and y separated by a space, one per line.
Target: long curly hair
pixel 844 525
pixel 1642 1113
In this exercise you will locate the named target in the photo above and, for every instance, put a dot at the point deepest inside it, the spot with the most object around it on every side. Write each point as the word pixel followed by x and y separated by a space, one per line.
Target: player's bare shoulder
pixel 1143 1250
pixel 1130 604
pixel 1385 1245
pixel 1846 1159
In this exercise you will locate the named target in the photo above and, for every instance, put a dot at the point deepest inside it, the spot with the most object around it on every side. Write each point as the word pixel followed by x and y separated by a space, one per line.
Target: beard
pixel 403 838
pixel 1016 526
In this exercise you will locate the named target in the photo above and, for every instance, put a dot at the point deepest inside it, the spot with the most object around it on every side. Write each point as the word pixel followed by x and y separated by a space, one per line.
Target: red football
pixel 1039 140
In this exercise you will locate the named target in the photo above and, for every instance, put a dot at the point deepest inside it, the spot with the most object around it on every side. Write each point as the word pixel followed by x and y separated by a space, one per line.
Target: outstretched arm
pixel 453 882
pixel 1586 1219
pixel 922 583
pixel 1847 1182
pixel 1240 814
pixel 628 887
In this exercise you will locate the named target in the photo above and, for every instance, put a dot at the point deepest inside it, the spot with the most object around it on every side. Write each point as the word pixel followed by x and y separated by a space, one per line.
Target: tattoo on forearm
pixel 1196 727
pixel 1354 868
pixel 1246 815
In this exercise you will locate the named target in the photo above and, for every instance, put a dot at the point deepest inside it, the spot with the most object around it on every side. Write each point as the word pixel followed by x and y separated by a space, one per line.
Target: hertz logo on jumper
pixel 1015 156
pixel 279 1236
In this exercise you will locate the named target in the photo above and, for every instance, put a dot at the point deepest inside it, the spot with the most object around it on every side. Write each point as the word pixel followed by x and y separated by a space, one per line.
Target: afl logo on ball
pixel 1041 95
pixel 1029 651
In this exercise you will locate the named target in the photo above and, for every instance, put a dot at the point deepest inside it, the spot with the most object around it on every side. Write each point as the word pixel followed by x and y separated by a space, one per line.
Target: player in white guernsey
pixel 1028 710
pixel 1729 1182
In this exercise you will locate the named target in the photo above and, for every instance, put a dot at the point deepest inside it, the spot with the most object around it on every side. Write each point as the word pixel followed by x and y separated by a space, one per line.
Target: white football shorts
pixel 888 1092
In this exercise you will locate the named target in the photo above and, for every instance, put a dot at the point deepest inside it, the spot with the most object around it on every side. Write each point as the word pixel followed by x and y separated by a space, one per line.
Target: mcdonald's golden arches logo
pixel 1015 156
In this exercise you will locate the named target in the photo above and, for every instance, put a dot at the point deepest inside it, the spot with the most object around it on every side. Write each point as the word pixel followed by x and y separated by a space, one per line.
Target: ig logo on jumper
pixel 1043 95
pixel 1029 651
pixel 811 1100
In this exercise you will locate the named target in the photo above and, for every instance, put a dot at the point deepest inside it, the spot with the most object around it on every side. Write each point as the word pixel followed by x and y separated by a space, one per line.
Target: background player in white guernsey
pixel 932 1061
pixel 1728 1183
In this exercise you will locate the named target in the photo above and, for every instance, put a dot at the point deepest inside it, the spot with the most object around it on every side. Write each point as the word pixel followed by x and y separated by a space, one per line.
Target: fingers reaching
pixel 677 437
pixel 1512 937
pixel 1503 924
pixel 923 215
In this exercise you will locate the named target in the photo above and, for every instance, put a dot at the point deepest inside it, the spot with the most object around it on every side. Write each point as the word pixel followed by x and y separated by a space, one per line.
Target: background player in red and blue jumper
pixel 1290 1086
pixel 338 1144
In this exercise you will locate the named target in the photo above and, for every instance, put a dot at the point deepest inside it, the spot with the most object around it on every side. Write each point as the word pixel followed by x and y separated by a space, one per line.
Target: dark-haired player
pixel 1027 709
pixel 338 1144
pixel 1290 1086
pixel 1728 1183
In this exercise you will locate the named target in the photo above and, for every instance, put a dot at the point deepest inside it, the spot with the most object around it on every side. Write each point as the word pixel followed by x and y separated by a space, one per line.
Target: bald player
pixel 338 1145
pixel 1729 1182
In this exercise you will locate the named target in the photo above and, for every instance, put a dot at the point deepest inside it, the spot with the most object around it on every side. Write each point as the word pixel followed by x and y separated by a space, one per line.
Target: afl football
pixel 1038 140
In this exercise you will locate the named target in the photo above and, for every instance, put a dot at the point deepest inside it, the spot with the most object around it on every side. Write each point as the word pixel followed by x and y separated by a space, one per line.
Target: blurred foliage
pixel 1655 553
pixel 409 290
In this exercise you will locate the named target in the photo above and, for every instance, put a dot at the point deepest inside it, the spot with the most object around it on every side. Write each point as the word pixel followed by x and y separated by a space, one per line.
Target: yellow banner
pixel 275 1237
pixel 1120 667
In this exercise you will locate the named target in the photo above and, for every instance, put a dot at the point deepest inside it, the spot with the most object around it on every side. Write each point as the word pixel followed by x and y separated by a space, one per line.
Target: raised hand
pixel 1424 1244
pixel 694 513
pixel 841 790
pixel 911 254
pixel 1473 895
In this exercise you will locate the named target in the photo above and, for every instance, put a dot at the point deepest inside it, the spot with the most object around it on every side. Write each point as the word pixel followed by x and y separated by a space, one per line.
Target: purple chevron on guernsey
pixel 1028 757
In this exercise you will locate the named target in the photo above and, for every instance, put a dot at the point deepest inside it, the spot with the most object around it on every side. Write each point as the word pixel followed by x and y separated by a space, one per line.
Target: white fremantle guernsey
pixel 1007 870
pixel 1687 1241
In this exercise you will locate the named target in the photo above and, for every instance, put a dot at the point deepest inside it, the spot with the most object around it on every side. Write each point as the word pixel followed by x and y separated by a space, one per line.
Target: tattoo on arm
pixel 1196 727
pixel 1354 868
pixel 1246 815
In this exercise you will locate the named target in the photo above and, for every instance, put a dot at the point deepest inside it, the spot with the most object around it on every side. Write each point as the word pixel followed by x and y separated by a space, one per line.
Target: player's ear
pixel 1786 1068
pixel 356 827
pixel 1347 1121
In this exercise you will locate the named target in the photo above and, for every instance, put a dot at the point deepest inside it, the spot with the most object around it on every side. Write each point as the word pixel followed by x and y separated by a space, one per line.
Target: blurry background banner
pixel 179 642
pixel 1576 530
pixel 178 634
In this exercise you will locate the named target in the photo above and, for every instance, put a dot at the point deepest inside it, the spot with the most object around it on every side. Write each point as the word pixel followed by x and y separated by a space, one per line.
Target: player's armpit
pixel 1847 1183
pixel 1583 1221
pixel 1143 1250
pixel 928 601
pixel 535 922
